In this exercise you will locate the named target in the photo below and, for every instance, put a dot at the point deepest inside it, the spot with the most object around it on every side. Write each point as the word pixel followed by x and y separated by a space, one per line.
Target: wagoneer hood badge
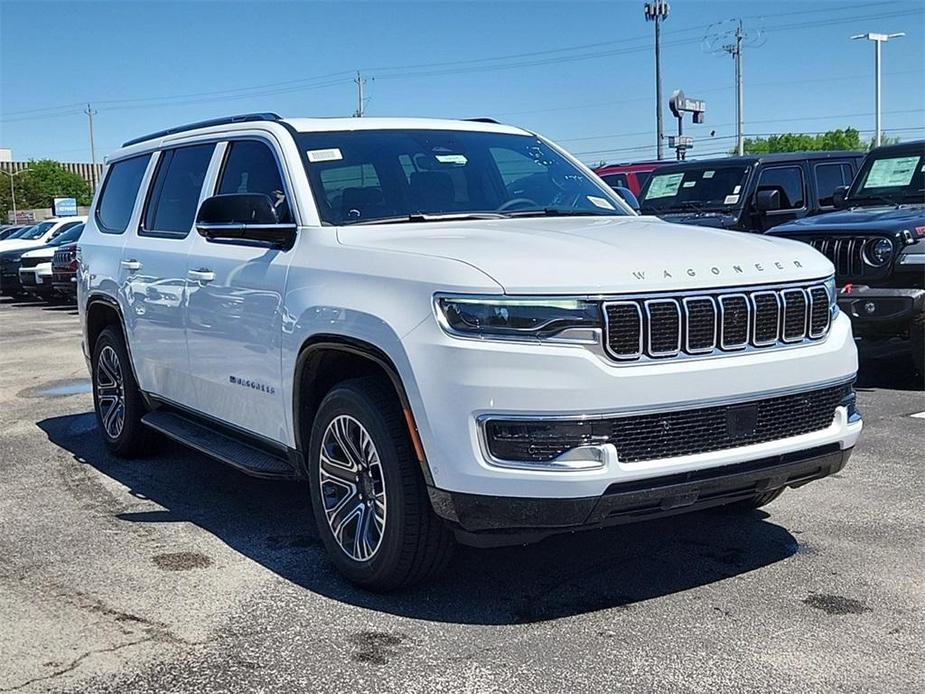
pixel 578 255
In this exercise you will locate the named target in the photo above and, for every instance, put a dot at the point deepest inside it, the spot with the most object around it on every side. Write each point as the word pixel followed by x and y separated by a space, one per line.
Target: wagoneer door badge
pixel 254 385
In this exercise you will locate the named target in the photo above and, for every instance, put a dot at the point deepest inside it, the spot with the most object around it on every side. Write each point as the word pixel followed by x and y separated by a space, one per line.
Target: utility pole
pixel 90 113
pixel 877 39
pixel 360 82
pixel 657 12
pixel 735 50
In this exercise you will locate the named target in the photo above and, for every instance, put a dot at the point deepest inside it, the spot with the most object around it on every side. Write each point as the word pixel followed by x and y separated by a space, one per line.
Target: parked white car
pixel 40 233
pixel 35 275
pixel 452 330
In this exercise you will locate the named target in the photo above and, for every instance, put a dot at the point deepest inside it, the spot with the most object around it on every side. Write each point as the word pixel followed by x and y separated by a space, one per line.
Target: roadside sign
pixel 64 207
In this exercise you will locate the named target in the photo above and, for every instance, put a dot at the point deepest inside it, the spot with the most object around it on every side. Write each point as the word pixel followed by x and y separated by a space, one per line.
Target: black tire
pixel 917 340
pixel 412 544
pixel 753 503
pixel 131 439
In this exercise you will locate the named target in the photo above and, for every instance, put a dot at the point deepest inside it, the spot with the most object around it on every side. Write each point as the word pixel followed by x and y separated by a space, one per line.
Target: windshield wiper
pixel 558 212
pixel 881 198
pixel 420 217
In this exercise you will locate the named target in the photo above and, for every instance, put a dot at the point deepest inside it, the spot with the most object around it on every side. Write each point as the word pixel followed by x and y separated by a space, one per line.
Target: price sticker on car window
pixel 664 186
pixel 317 155
pixel 887 173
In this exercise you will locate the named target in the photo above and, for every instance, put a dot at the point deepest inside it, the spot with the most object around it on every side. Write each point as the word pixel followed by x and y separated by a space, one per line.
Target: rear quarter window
pixel 120 189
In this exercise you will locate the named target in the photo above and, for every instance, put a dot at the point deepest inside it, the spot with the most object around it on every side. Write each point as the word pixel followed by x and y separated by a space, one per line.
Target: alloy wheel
pixel 110 391
pixel 353 490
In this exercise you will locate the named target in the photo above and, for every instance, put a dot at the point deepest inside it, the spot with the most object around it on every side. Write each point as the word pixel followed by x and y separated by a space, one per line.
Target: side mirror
pixel 840 197
pixel 247 216
pixel 767 200
pixel 628 197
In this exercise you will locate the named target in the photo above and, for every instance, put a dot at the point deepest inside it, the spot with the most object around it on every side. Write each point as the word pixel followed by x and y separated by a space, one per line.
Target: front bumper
pixel 455 384
pixel 36 280
pixel 488 521
pixel 9 280
pixel 881 311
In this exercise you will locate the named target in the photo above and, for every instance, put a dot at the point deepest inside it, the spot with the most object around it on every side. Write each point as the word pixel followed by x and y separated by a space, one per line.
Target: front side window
pixel 892 178
pixel 694 188
pixel 788 182
pixel 828 178
pixel 615 180
pixel 406 175
pixel 250 167
pixel 175 192
pixel 120 189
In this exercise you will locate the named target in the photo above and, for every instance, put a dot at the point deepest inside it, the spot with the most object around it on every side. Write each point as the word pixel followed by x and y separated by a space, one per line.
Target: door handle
pixel 130 265
pixel 201 275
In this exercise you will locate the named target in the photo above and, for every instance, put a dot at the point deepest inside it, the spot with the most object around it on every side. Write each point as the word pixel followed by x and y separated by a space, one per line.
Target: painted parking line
pixel 918 415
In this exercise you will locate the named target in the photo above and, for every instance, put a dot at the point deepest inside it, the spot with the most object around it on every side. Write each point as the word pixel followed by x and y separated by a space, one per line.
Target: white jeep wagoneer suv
pixel 454 331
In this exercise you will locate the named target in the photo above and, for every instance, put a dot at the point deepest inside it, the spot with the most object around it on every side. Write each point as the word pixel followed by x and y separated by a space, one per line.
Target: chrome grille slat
pixel 662 326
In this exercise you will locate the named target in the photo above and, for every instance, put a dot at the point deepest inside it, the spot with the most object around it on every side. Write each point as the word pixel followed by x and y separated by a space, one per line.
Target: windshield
pixel 895 178
pixel 36 231
pixel 71 234
pixel 413 175
pixel 18 233
pixel 710 187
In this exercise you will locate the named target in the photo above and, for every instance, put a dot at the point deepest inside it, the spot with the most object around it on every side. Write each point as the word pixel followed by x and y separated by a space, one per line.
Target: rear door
pixel 153 272
pixel 235 313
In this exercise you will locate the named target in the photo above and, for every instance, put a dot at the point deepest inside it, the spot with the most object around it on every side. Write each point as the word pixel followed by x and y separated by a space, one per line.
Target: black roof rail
pixel 483 119
pixel 242 118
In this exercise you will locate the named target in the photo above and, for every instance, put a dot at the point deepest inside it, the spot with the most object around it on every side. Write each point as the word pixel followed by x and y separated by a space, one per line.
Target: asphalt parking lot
pixel 178 574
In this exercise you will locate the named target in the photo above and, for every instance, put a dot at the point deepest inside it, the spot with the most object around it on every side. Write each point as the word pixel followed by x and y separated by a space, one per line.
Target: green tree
pixel 39 184
pixel 847 139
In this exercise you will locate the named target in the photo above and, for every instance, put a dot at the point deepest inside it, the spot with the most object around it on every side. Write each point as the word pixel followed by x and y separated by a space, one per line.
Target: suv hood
pixel 41 252
pixel 582 255
pixel 18 245
pixel 879 218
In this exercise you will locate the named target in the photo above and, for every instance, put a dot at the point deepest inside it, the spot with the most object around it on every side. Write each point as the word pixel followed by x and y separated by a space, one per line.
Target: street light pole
pixel 657 11
pixel 90 113
pixel 877 39
pixel 12 189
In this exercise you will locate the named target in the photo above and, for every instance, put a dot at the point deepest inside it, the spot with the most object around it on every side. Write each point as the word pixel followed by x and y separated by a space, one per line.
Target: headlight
pixel 878 252
pixel 535 318
pixel 832 293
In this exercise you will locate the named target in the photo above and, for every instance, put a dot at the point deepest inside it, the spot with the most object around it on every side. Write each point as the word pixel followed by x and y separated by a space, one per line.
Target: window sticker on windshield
pixel 708 174
pixel 451 159
pixel 600 202
pixel 664 186
pixel 730 199
pixel 885 173
pixel 735 191
pixel 316 155
pixel 690 184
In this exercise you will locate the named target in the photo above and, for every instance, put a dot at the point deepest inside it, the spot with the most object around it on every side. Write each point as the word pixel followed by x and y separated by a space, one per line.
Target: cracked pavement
pixel 177 574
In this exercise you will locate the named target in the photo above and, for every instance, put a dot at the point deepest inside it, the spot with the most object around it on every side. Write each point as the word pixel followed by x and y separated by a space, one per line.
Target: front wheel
pixel 116 398
pixel 368 495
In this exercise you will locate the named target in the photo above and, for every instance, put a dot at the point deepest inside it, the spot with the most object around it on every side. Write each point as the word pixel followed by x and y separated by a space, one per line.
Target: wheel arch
pixel 101 312
pixel 327 359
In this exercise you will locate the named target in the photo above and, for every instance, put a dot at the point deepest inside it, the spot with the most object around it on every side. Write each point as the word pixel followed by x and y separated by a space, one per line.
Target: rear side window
pixel 828 178
pixel 250 167
pixel 175 192
pixel 788 182
pixel 119 192
pixel 616 180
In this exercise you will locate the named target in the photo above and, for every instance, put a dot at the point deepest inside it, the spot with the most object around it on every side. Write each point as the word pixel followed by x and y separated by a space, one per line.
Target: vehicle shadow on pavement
pixel 270 523
pixel 887 365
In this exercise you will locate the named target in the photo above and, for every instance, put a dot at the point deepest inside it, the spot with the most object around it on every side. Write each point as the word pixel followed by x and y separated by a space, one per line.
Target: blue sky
pixel 578 72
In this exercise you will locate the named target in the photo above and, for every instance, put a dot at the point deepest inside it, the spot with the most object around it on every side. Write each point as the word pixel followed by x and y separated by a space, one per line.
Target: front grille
pixel 666 326
pixel 32 262
pixel 849 255
pixel 645 437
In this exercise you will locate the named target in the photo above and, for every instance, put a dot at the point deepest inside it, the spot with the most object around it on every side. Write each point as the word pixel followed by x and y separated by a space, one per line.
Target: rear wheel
pixel 368 495
pixel 116 398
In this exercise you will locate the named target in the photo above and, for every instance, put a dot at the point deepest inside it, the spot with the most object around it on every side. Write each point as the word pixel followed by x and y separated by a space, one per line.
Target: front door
pixel 154 268
pixel 235 311
pixel 790 183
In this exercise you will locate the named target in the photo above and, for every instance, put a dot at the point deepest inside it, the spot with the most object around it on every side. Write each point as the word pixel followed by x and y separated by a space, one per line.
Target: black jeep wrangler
pixel 752 193
pixel 877 244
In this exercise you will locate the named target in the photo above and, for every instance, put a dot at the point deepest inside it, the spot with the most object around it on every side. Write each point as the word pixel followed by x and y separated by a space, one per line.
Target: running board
pixel 215 444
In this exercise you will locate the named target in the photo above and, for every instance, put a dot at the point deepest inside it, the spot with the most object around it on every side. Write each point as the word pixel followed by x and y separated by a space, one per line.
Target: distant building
pixel 82 169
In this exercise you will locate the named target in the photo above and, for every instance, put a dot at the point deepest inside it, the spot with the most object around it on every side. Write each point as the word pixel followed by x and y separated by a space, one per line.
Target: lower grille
pixel 639 438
